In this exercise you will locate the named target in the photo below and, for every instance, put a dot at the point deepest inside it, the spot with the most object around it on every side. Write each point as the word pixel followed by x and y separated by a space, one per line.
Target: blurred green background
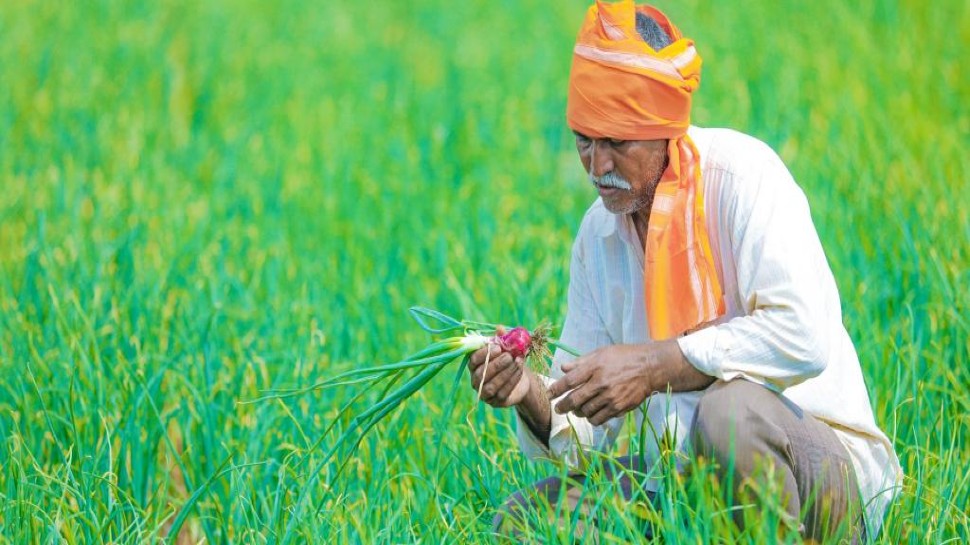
pixel 200 201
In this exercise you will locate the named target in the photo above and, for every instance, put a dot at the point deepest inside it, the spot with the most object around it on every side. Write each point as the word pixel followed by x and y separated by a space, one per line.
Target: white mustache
pixel 611 179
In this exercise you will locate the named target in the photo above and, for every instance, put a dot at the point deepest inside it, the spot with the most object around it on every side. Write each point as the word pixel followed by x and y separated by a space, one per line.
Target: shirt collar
pixel 608 224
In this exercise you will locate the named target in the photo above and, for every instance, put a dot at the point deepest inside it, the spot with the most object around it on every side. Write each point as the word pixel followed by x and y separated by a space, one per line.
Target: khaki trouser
pixel 744 427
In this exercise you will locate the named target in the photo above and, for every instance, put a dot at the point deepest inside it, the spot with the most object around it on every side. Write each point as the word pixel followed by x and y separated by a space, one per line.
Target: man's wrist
pixel 534 409
pixel 667 367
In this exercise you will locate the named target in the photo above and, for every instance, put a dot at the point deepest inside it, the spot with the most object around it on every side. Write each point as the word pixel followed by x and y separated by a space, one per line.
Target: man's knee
pixel 716 420
pixel 497 521
pixel 512 519
pixel 728 417
pixel 513 511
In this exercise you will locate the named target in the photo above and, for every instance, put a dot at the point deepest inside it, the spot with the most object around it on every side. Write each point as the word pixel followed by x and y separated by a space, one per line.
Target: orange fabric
pixel 619 87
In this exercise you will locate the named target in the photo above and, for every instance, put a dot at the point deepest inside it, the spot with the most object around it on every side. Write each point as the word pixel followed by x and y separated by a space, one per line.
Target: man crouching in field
pixel 697 277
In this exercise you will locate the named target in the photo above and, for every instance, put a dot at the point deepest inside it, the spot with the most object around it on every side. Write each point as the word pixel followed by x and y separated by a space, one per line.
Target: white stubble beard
pixel 612 179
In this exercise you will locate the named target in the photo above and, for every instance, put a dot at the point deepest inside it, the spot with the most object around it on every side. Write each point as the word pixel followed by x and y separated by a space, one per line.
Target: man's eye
pixel 583 141
pixel 617 143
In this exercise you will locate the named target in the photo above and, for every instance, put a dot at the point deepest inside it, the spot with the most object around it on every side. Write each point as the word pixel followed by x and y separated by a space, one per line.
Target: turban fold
pixel 620 87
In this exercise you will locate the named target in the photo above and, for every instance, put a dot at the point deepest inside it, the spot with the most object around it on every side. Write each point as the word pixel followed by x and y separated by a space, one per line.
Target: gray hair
pixel 651 32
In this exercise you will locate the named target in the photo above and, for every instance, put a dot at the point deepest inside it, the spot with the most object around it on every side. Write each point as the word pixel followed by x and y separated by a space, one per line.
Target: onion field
pixel 205 202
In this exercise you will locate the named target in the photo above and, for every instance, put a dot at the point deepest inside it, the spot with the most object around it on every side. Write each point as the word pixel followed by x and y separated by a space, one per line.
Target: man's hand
pixel 614 380
pixel 605 383
pixel 506 381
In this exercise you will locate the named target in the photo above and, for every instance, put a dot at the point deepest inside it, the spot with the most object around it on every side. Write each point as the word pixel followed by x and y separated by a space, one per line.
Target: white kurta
pixel 783 326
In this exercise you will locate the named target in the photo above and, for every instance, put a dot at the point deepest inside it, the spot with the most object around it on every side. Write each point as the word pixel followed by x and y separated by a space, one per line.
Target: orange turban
pixel 619 87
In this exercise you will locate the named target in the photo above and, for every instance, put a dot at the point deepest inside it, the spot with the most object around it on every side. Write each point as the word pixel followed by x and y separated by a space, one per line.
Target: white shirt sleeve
pixel 784 282
pixel 583 331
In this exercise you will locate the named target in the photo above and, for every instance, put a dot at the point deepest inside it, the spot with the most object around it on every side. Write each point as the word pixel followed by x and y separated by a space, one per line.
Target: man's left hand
pixel 605 383
pixel 614 380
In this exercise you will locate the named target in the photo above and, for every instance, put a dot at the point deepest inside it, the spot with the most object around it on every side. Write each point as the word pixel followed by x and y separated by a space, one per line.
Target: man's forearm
pixel 677 372
pixel 535 409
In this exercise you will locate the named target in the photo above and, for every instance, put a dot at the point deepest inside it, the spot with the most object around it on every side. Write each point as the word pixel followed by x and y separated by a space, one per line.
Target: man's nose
pixel 602 160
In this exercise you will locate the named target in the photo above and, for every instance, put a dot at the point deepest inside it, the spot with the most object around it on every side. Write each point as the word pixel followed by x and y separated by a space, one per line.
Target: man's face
pixel 625 172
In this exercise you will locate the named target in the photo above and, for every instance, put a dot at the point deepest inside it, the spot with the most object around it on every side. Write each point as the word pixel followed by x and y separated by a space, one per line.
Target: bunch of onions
pixel 465 338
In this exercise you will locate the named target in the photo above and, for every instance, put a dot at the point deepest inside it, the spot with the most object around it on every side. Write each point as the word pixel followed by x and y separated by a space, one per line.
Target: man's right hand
pixel 506 380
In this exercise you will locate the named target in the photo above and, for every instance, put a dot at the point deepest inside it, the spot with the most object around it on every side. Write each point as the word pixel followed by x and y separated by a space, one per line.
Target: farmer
pixel 699 295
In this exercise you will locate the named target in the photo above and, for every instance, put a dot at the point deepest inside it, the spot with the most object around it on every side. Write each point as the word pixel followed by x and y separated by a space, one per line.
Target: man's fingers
pixel 517 370
pixel 572 364
pixel 488 352
pixel 494 383
pixel 580 361
pixel 519 391
pixel 591 407
pixel 577 398
pixel 492 392
pixel 570 380
pixel 498 363
pixel 602 416
pixel 478 357
pixel 495 365
pixel 511 383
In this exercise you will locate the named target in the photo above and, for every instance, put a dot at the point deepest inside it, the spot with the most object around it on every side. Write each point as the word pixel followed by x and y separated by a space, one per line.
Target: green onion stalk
pixel 463 338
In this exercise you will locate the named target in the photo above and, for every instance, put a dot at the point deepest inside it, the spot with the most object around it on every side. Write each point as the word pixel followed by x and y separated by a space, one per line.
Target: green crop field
pixel 204 201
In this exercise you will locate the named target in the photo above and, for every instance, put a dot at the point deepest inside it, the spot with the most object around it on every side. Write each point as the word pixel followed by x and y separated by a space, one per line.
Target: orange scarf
pixel 619 87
